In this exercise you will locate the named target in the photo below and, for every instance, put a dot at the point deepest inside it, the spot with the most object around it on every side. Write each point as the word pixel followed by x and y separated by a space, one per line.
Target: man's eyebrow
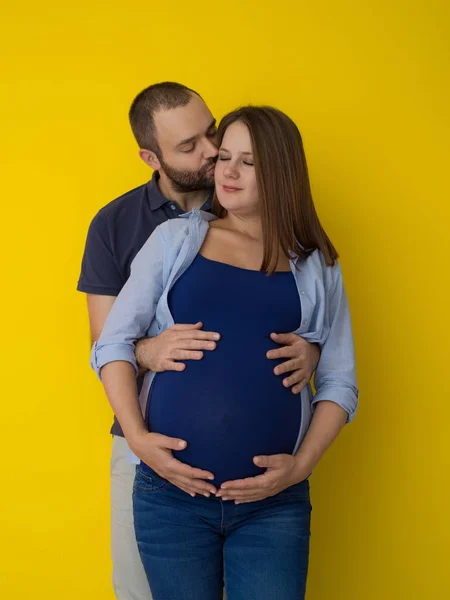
pixel 187 141
pixel 225 150
pixel 194 137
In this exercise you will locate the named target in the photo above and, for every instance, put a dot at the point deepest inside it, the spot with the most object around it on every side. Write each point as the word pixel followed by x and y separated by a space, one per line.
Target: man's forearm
pixel 119 380
pixel 327 422
pixel 142 356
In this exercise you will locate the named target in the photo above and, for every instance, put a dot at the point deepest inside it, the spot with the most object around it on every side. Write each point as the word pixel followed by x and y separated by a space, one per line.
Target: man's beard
pixel 189 181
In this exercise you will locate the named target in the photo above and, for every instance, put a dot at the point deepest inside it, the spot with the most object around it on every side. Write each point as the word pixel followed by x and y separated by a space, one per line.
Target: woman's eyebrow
pixel 222 149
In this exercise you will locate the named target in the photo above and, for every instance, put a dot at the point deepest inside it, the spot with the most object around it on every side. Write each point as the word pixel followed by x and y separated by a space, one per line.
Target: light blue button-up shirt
pixel 141 309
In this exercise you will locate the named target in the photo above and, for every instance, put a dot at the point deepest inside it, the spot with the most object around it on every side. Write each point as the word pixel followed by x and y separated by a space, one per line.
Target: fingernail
pixel 216 336
pixel 237 502
pixel 211 477
pixel 212 491
pixel 219 494
pixel 192 494
pixel 206 495
pixel 181 444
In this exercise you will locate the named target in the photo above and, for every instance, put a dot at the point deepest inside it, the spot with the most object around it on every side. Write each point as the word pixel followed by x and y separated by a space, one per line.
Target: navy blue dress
pixel 230 406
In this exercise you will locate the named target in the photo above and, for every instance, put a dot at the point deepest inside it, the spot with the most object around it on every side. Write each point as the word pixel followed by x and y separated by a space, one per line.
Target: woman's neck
pixel 250 226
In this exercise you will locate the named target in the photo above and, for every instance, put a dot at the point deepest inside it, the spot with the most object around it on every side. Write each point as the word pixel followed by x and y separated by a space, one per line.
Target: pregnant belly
pixel 228 409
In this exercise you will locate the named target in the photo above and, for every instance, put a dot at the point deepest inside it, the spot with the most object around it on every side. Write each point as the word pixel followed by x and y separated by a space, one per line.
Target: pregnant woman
pixel 263 263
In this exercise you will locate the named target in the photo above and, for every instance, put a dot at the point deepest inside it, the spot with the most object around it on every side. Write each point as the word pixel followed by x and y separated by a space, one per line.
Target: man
pixel 176 134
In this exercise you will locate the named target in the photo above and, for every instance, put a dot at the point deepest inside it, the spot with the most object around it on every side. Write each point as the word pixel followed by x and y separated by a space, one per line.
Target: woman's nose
pixel 231 171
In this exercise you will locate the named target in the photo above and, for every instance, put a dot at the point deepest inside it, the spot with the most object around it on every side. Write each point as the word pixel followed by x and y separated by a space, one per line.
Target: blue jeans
pixel 192 547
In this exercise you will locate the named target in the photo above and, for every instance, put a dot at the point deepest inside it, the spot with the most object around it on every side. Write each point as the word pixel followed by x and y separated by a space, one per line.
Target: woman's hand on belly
pixel 283 470
pixel 155 450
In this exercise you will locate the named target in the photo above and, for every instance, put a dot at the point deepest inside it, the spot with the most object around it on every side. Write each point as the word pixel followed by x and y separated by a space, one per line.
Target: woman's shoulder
pixel 181 224
pixel 316 263
pixel 172 226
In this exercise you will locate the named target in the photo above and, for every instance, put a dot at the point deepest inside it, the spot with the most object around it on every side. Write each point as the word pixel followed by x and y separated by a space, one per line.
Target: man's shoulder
pixel 127 203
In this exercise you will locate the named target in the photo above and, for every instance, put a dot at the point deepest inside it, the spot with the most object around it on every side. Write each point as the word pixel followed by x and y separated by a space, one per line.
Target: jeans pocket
pixel 146 482
pixel 300 491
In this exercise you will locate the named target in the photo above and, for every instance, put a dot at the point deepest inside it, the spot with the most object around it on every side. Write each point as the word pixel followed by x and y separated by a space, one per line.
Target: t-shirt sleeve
pixel 99 271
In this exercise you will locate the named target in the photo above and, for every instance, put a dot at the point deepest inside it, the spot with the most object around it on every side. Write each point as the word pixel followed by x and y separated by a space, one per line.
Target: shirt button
pixel 302 293
pixel 305 322
pixel 173 207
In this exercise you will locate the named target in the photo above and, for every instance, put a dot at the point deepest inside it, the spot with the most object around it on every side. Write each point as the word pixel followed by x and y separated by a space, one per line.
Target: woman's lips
pixel 230 188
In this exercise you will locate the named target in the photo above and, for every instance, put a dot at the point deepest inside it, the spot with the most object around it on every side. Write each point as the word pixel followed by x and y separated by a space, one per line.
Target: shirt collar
pixel 156 199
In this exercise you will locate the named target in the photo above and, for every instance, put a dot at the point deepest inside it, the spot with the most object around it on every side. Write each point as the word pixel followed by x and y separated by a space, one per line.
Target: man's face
pixel 187 138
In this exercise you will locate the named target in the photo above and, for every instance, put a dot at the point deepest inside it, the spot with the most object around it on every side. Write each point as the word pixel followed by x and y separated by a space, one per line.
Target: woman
pixel 263 264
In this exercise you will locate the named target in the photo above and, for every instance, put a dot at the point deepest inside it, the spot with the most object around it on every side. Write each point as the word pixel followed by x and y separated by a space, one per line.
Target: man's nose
pixel 210 150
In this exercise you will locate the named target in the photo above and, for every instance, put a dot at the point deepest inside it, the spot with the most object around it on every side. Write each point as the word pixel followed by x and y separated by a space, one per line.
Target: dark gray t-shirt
pixel 115 236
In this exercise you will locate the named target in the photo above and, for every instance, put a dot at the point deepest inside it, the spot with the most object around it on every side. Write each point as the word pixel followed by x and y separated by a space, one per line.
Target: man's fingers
pixel 184 488
pixel 193 331
pixel 288 366
pixel 294 378
pixel 197 345
pixel 296 389
pixel 246 493
pixel 170 365
pixel 250 483
pixel 169 443
pixel 271 462
pixel 186 327
pixel 198 335
pixel 284 352
pixel 198 486
pixel 284 338
pixel 179 469
pixel 186 355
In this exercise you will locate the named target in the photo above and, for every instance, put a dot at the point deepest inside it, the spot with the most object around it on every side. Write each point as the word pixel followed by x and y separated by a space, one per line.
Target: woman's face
pixel 235 177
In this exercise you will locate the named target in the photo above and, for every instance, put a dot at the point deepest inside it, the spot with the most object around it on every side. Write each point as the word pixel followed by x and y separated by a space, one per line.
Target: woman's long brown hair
pixel 289 218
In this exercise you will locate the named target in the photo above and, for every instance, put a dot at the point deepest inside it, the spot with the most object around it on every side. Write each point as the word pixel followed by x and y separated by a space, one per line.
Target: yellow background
pixel 367 83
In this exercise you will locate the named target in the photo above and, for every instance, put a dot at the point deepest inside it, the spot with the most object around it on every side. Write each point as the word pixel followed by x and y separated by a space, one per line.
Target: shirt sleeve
pixel 134 308
pixel 335 377
pixel 99 271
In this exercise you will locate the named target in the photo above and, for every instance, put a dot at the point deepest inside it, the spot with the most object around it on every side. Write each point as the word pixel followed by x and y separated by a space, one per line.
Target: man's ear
pixel 150 159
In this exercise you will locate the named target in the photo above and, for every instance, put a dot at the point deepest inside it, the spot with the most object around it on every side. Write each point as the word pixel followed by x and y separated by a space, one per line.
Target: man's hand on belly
pixel 155 450
pixel 283 470
pixel 302 356
pixel 177 343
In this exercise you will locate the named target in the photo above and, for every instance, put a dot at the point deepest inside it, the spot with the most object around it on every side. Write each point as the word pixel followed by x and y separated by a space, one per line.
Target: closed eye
pixel 188 150
pixel 244 162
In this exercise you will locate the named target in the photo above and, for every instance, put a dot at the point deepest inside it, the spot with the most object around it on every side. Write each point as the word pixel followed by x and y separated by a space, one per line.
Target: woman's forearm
pixel 119 380
pixel 328 420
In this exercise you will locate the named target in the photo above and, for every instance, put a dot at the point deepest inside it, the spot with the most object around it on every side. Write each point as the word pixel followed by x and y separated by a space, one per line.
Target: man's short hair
pixel 160 96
